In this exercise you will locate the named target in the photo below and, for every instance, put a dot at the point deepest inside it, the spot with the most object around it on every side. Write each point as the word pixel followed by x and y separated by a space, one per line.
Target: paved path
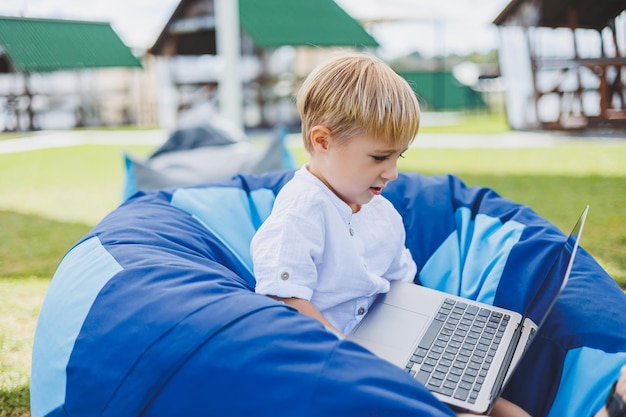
pixel 60 139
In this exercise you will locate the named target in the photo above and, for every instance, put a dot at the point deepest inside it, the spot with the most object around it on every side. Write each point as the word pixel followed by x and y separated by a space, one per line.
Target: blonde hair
pixel 357 94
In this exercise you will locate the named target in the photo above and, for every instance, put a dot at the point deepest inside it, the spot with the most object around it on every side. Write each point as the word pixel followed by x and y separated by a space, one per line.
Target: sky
pixel 434 27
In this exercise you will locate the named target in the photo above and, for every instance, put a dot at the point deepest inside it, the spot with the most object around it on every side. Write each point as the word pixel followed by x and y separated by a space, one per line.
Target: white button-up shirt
pixel 313 247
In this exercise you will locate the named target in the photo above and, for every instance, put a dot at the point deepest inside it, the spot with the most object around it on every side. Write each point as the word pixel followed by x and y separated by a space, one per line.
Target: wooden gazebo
pixel 587 86
pixel 265 26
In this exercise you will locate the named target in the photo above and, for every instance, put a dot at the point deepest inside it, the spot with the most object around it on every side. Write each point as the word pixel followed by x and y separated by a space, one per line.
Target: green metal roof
pixel 440 90
pixel 269 24
pixel 43 45
pixel 272 23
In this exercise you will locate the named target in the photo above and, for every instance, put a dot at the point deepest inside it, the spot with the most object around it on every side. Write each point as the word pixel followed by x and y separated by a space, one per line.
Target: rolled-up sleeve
pixel 284 253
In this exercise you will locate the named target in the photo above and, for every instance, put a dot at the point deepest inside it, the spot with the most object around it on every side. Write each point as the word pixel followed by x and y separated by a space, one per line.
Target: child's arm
pixel 306 308
pixel 620 390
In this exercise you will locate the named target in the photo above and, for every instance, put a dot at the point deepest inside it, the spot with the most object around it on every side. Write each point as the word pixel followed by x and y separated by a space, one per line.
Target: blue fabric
pixel 153 312
pixel 470 267
pixel 130 186
pixel 233 224
pixel 589 374
pixel 85 270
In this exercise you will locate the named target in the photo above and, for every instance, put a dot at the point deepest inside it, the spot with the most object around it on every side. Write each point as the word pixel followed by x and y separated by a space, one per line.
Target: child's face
pixel 357 170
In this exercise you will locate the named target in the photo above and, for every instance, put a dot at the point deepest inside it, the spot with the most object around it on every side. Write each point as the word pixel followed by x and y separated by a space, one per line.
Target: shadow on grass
pixel 15 403
pixel 32 245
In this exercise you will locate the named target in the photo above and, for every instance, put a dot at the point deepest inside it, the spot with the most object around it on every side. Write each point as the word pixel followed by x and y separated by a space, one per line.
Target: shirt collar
pixel 344 209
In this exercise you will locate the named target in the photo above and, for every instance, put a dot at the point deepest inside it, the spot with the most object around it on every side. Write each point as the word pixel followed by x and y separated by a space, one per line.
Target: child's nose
pixel 391 171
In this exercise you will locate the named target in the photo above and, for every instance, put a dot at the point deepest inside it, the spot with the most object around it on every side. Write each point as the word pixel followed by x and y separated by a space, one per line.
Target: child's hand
pixel 305 307
pixel 620 388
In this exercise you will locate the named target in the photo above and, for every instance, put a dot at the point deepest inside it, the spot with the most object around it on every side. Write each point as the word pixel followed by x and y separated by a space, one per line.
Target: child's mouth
pixel 376 190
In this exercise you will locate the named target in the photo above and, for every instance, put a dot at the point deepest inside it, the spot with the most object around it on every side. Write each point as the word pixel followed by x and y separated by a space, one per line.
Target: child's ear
pixel 320 137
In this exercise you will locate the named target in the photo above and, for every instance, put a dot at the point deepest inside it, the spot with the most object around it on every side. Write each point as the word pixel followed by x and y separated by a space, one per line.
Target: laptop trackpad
pixel 390 332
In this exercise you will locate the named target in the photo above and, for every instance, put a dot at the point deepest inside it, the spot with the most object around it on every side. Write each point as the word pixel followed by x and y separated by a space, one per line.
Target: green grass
pixel 21 301
pixel 50 198
pixel 77 184
pixel 21 256
pixel 579 159
pixel 472 123
pixel 14 135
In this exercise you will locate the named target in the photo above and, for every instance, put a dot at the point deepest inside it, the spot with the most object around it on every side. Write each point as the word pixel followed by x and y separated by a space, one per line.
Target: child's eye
pixel 380 158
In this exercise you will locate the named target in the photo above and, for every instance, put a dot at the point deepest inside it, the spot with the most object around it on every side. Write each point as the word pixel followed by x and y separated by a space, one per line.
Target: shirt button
pixel 284 276
pixel 351 232
pixel 361 311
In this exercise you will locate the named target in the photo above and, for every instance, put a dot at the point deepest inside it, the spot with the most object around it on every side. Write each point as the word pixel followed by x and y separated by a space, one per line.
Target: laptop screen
pixel 554 281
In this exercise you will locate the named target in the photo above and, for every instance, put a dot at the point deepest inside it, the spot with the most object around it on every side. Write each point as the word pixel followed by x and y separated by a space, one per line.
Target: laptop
pixel 463 351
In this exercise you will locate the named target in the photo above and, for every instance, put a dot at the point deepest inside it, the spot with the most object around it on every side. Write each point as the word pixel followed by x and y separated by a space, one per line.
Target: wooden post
pixel 227 34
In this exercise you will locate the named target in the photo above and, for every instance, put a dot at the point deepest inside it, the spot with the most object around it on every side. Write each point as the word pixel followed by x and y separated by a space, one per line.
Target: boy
pixel 332 242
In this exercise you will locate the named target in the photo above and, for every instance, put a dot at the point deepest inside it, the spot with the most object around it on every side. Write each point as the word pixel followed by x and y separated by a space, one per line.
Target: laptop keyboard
pixel 457 350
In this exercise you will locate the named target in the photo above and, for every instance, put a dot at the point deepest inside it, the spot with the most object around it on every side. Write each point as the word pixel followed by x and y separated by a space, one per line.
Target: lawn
pixel 50 198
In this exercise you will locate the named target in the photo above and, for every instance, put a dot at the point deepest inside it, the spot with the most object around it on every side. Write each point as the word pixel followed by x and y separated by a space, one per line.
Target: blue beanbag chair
pixel 154 313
